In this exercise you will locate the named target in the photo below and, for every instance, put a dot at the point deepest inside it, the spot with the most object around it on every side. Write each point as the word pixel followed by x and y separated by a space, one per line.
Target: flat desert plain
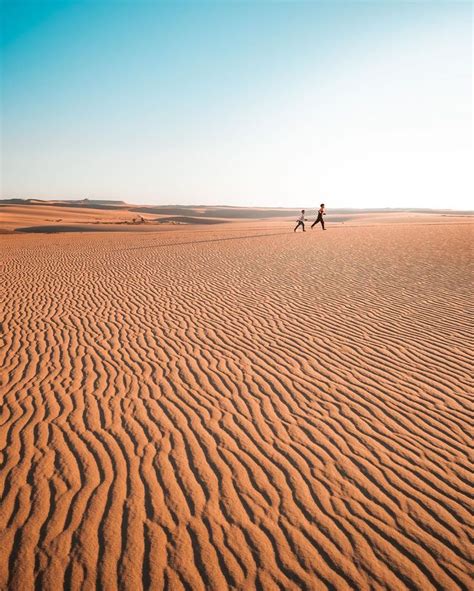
pixel 237 407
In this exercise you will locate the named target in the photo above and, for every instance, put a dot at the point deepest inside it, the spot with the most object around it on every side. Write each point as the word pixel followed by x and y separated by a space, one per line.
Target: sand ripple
pixel 246 410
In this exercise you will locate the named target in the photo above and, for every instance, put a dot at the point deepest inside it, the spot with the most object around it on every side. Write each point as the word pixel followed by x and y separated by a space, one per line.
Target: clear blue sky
pixel 363 104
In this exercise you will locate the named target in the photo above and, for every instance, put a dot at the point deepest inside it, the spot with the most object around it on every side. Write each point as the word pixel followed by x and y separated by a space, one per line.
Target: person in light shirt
pixel 321 212
pixel 300 221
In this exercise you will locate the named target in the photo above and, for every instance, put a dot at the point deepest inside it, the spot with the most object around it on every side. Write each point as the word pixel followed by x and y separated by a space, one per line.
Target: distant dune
pixel 36 216
pixel 237 406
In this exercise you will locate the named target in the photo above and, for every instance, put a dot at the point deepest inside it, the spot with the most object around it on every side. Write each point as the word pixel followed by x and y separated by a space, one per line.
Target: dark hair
pixel 322 205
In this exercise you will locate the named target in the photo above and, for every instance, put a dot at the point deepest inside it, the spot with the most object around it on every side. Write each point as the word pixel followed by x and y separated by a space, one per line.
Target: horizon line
pixel 121 202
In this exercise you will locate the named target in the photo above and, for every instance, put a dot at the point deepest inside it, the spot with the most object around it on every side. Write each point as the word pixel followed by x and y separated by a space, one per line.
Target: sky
pixel 256 103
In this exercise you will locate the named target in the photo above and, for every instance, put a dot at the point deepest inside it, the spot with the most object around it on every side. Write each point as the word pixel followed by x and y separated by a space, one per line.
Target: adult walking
pixel 321 212
pixel 300 221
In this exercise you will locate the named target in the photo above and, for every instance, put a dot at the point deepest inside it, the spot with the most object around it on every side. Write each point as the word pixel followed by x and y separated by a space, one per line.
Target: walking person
pixel 301 220
pixel 321 212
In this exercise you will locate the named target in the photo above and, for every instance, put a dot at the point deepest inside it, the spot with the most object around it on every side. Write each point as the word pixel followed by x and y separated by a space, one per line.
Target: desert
pixel 232 405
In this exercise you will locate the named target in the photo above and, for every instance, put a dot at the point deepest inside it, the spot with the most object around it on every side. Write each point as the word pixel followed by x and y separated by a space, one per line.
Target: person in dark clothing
pixel 321 212
pixel 301 220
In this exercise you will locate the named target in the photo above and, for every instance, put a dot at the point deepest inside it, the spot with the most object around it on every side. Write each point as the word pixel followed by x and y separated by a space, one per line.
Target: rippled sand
pixel 236 408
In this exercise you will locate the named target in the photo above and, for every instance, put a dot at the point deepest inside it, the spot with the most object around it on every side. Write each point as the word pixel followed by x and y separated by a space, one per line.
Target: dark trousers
pixel 318 219
pixel 300 223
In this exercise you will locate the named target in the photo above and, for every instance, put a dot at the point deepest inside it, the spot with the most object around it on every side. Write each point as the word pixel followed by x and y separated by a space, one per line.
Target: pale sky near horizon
pixel 358 104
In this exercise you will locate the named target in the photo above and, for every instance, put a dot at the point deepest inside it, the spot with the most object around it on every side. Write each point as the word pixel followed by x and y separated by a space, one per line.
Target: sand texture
pixel 236 407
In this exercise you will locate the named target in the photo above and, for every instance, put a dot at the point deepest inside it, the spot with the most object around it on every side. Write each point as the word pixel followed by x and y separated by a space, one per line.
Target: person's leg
pixel 302 223
pixel 297 226
pixel 314 223
pixel 322 223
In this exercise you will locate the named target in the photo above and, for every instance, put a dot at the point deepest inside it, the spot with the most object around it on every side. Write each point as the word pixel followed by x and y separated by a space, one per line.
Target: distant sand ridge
pixel 52 217
pixel 237 407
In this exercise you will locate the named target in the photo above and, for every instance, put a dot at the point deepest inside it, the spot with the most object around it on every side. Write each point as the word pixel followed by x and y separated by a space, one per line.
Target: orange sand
pixel 236 407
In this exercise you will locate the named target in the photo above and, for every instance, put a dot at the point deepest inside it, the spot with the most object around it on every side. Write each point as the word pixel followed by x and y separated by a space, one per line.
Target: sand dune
pixel 52 217
pixel 236 407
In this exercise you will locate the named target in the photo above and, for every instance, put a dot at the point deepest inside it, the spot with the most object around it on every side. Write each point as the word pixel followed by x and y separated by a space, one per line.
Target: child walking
pixel 301 220
pixel 321 212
